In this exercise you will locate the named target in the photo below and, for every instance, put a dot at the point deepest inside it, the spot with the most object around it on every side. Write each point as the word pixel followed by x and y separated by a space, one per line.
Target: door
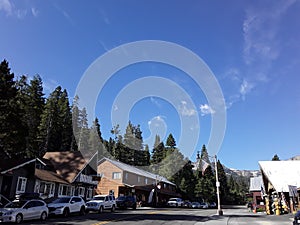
pixel 28 210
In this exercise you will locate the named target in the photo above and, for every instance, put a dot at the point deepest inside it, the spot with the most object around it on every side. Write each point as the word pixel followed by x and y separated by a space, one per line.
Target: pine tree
pixel 275 158
pixel 65 117
pixel 35 107
pixel 224 190
pixel 55 130
pixel 12 131
pixel 75 124
pixel 171 141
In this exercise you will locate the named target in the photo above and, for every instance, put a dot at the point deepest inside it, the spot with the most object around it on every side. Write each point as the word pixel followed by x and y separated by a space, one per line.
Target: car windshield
pixel 173 199
pixel 99 198
pixel 62 200
pixel 17 204
pixel 121 198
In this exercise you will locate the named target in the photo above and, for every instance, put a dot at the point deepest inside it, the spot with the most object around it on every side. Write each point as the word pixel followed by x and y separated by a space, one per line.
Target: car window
pixel 76 199
pixel 17 204
pixel 62 200
pixel 99 198
pixel 29 205
pixel 38 203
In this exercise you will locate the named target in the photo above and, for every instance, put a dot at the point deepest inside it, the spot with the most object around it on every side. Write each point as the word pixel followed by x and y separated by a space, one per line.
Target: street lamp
pixel 219 212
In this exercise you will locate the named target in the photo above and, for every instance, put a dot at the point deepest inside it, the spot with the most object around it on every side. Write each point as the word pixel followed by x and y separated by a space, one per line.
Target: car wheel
pixel 82 211
pixel 100 209
pixel 113 208
pixel 134 206
pixel 43 216
pixel 66 212
pixel 19 218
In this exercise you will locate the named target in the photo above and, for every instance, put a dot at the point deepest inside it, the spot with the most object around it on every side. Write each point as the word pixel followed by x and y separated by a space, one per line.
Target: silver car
pixel 20 210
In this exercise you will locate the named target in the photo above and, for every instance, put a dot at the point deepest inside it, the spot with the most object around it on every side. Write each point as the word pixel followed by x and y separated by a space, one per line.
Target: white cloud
pixel 49 85
pixel 184 110
pixel 260 29
pixel 11 10
pixel 156 121
pixel 206 109
pixel 6 7
pixel 155 101
pixel 245 88
pixel 35 12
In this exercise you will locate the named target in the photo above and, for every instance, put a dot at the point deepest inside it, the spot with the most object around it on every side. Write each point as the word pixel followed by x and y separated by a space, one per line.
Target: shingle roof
pixel 281 174
pixel 49 176
pixel 67 164
pixel 136 170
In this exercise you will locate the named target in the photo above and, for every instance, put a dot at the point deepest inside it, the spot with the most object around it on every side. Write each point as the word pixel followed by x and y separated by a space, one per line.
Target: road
pixel 172 216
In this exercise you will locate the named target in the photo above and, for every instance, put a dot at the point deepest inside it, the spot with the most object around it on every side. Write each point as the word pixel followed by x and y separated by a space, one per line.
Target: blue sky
pixel 252 48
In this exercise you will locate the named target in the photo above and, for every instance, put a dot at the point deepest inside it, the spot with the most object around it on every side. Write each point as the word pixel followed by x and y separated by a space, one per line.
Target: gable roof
pixel 67 164
pixel 135 170
pixel 256 183
pixel 281 174
pixel 12 164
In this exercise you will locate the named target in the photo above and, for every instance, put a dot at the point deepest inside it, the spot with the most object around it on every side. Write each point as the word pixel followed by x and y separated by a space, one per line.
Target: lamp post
pixel 219 212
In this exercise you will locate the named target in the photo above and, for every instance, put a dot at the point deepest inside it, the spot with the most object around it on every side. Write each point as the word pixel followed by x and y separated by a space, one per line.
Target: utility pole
pixel 219 212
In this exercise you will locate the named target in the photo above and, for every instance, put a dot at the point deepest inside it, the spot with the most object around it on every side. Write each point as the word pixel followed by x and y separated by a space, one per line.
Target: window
pixel 76 199
pixel 65 190
pixel 138 179
pixel 126 176
pixel 81 191
pixel 44 188
pixel 89 193
pixel 116 175
pixel 21 185
pixel 146 180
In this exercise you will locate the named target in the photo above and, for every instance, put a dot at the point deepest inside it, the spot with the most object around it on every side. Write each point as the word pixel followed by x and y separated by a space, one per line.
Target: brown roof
pixel 49 176
pixel 67 164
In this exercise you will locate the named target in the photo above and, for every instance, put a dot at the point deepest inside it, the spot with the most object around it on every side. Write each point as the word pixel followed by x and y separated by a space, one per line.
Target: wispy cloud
pixel 35 12
pixel 49 85
pixel 6 7
pixel 155 101
pixel 105 17
pixel 260 31
pixel 245 88
pixel 262 47
pixel 65 14
pixel 12 10
pixel 186 110
pixel 206 109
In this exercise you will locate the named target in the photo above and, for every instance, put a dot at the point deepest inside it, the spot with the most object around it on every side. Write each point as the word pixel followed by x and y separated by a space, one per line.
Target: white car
pixel 101 202
pixel 203 205
pixel 175 202
pixel 20 210
pixel 66 205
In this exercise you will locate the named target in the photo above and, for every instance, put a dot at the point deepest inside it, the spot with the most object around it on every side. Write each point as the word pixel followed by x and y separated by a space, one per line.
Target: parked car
pixel 177 202
pixel 66 205
pixel 126 202
pixel 212 205
pixel 297 218
pixel 19 210
pixel 195 205
pixel 187 204
pixel 203 205
pixel 101 202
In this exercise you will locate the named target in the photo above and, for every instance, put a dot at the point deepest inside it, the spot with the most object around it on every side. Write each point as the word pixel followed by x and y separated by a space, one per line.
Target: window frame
pixel 22 181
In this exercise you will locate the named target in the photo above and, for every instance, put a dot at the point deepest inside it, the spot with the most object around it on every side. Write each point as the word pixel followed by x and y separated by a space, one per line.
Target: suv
pixel 66 205
pixel 175 202
pixel 126 202
pixel 101 202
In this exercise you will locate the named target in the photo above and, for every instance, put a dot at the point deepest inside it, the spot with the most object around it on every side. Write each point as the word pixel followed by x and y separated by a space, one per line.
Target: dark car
pixel 297 218
pixel 126 202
